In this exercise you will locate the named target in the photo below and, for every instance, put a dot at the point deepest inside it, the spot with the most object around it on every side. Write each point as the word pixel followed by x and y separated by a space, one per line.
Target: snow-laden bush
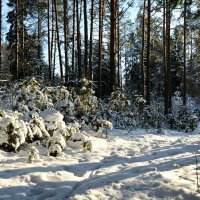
pixel 182 117
pixel 14 131
pixel 34 155
pixel 126 114
pixel 119 110
pixel 153 115
pixel 118 102
pixel 85 103
pixel 102 127
pixel 28 96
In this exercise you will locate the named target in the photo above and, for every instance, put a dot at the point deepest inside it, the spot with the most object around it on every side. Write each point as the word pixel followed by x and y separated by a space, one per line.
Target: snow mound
pixel 51 115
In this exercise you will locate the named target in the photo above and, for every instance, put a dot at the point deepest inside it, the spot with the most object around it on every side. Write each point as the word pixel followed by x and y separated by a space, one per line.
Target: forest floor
pixel 126 166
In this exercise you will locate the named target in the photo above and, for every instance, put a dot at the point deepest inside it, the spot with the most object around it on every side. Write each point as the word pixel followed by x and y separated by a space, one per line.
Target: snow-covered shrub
pixel 119 111
pixel 118 101
pixel 53 120
pixel 153 115
pixel 14 130
pixel 56 144
pixel 54 150
pixel 27 96
pixel 87 145
pixel 104 126
pixel 38 129
pixel 182 117
pixel 85 103
pixel 34 155
pixel 192 123
pixel 43 113
pixel 76 138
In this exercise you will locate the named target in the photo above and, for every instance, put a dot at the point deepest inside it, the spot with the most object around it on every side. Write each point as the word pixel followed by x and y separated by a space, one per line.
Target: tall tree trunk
pixel 112 45
pixel 142 53
pixel 39 38
pixel 58 42
pixel 191 50
pixel 66 32
pixel 23 43
pixel 17 42
pixel 184 55
pixel 101 8
pixel 0 34
pixel 118 43
pixel 168 54
pixel 148 53
pixel 54 58
pixel 91 41
pixel 73 40
pixel 78 41
pixel 49 40
pixel 164 59
pixel 52 40
pixel 86 38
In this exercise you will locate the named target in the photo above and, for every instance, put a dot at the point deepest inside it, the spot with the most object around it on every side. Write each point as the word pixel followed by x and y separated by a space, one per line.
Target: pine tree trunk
pixel 73 40
pixel 66 32
pixel 86 38
pixel 49 41
pixel 91 41
pixel 54 58
pixel 58 42
pixel 148 53
pixel 112 45
pixel 101 8
pixel 0 34
pixel 52 40
pixel 17 43
pixel 118 43
pixel 184 56
pixel 39 38
pixel 78 41
pixel 142 53
pixel 23 44
pixel 168 54
pixel 164 59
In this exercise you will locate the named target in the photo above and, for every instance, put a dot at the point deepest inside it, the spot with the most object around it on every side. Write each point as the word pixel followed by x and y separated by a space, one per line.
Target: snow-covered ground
pixel 138 165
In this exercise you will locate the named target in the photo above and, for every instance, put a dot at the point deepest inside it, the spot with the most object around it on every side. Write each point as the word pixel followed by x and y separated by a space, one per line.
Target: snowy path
pixel 135 166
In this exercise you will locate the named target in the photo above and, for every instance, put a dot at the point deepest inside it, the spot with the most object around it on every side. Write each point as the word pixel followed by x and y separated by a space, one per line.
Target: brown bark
pixel 101 13
pixel 39 47
pixel 73 40
pixel 17 42
pixel 58 42
pixel 49 41
pixel 66 32
pixel 0 32
pixel 86 38
pixel 168 55
pixel 164 59
pixel 148 53
pixel 78 41
pixel 112 45
pixel 118 43
pixel 184 55
pixel 23 44
pixel 91 41
pixel 142 53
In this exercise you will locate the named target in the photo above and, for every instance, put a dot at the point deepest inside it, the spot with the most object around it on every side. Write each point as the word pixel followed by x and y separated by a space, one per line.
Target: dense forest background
pixel 155 57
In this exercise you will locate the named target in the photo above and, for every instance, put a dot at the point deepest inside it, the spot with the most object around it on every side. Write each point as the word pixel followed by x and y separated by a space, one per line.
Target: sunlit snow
pixel 123 166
